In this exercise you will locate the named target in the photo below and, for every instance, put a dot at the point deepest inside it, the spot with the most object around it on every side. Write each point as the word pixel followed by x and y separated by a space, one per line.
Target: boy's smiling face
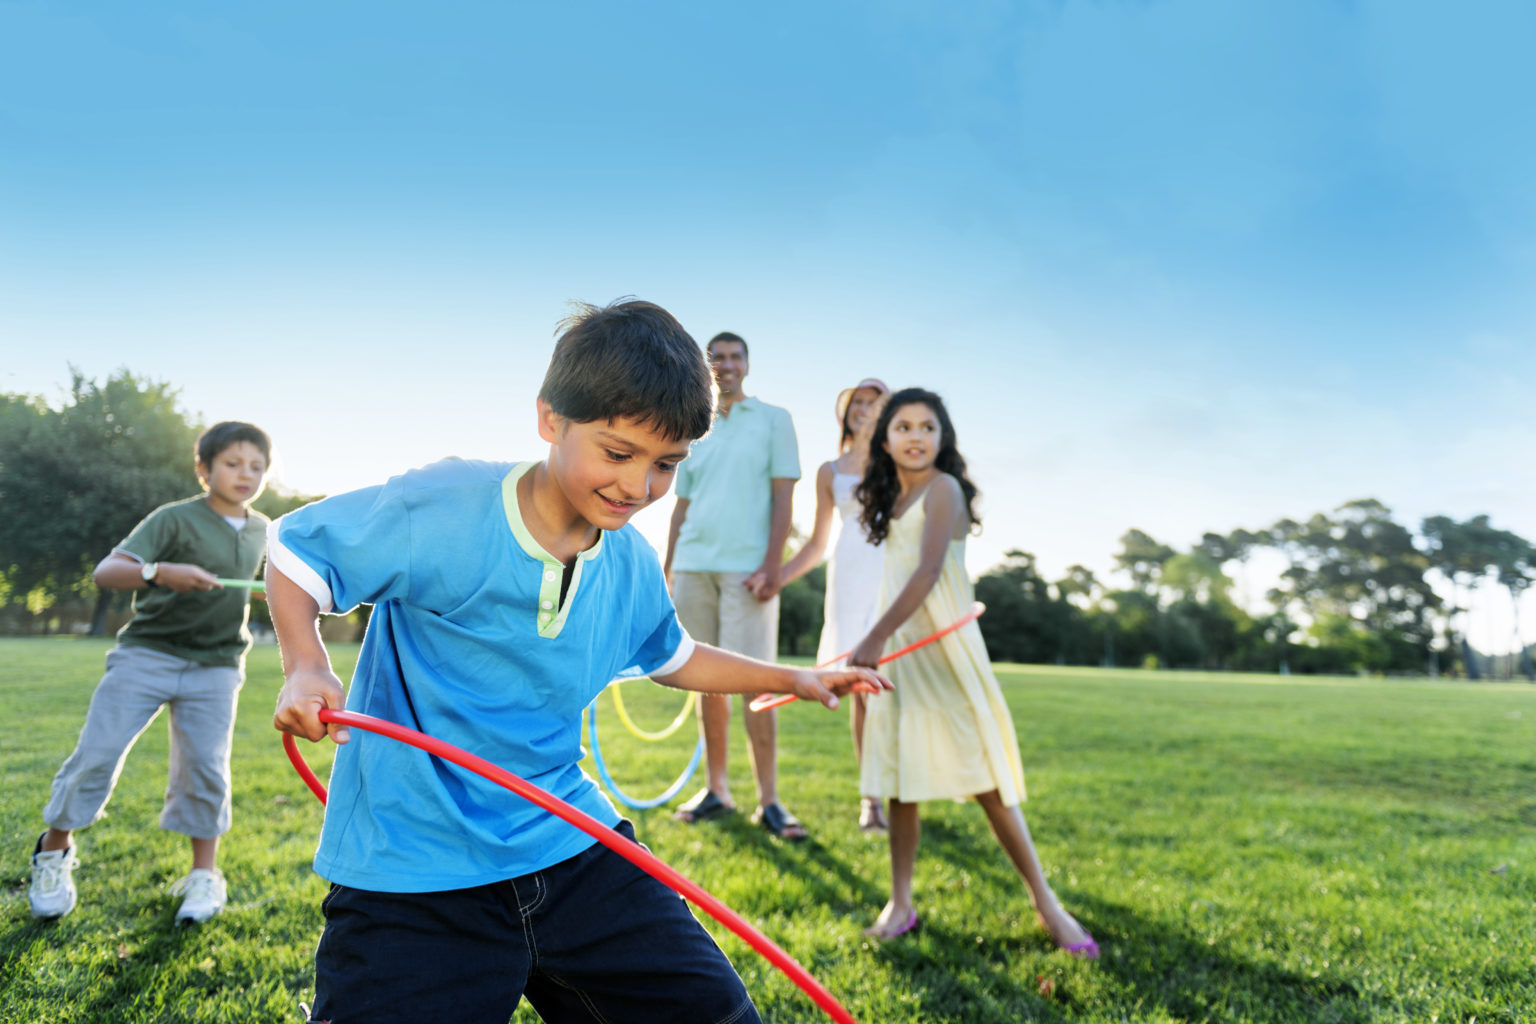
pixel 607 470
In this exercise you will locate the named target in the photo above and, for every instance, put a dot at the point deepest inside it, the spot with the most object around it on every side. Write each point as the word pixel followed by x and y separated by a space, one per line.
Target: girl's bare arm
pixel 815 549
pixel 943 507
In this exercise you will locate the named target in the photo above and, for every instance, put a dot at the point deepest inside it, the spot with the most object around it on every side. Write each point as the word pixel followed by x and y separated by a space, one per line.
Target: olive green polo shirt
pixel 205 626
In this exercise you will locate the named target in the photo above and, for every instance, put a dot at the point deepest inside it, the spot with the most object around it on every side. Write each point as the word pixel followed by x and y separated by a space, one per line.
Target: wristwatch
pixel 149 572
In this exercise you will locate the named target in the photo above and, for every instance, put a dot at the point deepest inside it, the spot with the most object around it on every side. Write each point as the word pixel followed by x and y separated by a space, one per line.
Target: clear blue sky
pixel 1175 265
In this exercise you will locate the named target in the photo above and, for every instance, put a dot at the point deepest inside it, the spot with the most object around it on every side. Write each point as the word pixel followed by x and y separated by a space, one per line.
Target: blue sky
pixel 1174 265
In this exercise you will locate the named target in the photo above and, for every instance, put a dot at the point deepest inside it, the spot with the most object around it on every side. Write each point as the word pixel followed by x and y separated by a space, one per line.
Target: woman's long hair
pixel 878 491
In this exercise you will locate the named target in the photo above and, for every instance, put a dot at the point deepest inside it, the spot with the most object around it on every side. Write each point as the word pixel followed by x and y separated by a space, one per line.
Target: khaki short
pixel 716 609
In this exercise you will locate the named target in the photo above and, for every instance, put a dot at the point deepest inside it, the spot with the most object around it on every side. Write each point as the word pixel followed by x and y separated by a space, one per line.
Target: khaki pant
pixel 716 609
pixel 138 683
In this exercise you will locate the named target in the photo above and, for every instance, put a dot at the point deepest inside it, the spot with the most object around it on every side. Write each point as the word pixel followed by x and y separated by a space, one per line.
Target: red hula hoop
pixel 766 702
pixel 630 851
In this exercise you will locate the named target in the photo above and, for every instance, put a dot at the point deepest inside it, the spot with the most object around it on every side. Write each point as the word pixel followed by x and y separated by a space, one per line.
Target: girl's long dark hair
pixel 878 491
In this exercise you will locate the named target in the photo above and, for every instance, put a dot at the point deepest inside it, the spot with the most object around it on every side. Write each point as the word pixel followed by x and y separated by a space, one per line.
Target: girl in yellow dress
pixel 945 732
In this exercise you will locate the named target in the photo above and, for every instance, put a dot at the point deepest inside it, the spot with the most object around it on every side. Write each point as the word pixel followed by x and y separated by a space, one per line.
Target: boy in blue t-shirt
pixel 505 598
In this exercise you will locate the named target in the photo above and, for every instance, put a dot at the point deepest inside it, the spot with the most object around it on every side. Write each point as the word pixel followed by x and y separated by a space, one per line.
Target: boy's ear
pixel 550 422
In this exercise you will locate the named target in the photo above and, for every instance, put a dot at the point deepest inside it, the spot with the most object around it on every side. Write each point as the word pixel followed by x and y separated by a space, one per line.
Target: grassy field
pixel 1245 848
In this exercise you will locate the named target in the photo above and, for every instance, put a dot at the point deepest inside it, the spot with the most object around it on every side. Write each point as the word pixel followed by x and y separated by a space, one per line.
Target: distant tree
pixel 1358 567
pixel 1083 640
pixel 1131 621
pixel 1516 568
pixel 1464 553
pixel 1026 620
pixel 74 481
pixel 1143 558
pixel 801 612
pixel 1203 623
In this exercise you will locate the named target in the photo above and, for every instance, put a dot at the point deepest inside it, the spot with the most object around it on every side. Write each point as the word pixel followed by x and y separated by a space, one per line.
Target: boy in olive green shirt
pixel 184 649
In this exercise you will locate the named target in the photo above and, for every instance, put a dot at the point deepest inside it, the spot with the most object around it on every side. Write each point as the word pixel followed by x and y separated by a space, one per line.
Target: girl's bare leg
pixel 906 830
pixel 1012 833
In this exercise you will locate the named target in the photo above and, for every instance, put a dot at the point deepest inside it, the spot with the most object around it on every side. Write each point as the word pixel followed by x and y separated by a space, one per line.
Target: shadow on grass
pixel 829 880
pixel 1149 962
pixel 160 947
pixel 1169 967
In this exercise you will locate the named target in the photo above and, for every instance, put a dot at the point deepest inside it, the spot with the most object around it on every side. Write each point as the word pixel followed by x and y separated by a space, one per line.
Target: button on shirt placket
pixel 548 591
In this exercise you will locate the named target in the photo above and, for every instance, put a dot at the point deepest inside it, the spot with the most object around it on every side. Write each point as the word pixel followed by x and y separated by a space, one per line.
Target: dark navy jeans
pixel 592 938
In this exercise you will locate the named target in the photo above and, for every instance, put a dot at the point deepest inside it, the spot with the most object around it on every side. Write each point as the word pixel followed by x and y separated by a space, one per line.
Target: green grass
pixel 1245 848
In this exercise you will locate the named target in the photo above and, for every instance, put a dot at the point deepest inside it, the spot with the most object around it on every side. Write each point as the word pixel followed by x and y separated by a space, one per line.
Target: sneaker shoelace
pixel 53 875
pixel 197 887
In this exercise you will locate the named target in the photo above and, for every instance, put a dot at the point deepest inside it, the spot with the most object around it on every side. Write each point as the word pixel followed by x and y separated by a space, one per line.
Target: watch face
pixel 149 570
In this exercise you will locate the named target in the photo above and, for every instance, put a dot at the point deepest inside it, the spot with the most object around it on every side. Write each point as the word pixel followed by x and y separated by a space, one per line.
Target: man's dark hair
pixel 630 359
pixel 729 336
pixel 221 435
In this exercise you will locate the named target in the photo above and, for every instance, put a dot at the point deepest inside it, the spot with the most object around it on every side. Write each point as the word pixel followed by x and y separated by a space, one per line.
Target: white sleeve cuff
pixel 296 569
pixel 679 657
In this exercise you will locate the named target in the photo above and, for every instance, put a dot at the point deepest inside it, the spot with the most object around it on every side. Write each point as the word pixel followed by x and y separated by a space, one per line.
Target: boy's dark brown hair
pixel 630 359
pixel 221 435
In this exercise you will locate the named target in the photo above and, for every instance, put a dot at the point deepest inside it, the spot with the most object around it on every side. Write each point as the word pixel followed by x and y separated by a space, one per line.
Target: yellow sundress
pixel 945 732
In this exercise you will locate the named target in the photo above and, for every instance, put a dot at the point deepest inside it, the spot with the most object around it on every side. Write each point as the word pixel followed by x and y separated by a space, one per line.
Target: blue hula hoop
pixel 613 787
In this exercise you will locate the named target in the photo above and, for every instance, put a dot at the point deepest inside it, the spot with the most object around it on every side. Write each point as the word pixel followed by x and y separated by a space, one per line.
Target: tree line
pixel 1356 594
pixel 74 481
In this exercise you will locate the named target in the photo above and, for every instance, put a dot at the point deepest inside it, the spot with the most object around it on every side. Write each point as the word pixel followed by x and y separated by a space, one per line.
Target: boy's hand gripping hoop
pixel 773 700
pixel 630 851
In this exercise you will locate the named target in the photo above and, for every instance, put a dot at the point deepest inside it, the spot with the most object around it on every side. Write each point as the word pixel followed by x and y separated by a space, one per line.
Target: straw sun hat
pixel 846 394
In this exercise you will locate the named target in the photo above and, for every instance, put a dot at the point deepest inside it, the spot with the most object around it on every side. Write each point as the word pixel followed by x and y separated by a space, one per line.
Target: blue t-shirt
pixel 468 642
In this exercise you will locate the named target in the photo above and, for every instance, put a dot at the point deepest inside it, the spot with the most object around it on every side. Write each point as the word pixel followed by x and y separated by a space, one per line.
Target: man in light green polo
pixel 725 547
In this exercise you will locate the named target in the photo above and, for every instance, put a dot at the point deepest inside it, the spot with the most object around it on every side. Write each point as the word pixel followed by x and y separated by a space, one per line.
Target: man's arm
pixel 767 581
pixel 679 513
pixel 310 684
pixel 711 670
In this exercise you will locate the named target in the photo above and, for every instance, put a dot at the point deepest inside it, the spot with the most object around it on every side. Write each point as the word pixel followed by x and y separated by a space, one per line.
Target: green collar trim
pixel 550 613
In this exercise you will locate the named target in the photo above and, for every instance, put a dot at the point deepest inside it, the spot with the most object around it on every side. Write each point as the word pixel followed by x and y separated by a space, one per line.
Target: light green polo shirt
pixel 205 626
pixel 727 479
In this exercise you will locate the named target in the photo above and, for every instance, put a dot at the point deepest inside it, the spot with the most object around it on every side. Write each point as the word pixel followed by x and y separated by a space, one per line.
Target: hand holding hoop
pixel 769 700
pixel 630 851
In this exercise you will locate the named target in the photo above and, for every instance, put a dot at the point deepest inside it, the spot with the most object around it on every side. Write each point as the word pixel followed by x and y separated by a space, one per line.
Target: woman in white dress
pixel 854 571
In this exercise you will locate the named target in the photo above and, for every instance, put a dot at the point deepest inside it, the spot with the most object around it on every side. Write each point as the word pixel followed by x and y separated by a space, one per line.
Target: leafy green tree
pixel 1143 558
pixel 1464 553
pixel 74 481
pixel 1130 621
pixel 1085 640
pixel 801 612
pixel 1361 567
pixel 1026 620
pixel 1203 623
pixel 1515 565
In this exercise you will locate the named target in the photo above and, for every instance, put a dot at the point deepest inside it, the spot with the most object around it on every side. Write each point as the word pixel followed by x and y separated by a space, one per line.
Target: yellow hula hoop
pixel 677 723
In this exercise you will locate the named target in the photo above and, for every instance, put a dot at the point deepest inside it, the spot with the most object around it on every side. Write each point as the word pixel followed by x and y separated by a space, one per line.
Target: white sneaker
pixel 52 892
pixel 204 895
